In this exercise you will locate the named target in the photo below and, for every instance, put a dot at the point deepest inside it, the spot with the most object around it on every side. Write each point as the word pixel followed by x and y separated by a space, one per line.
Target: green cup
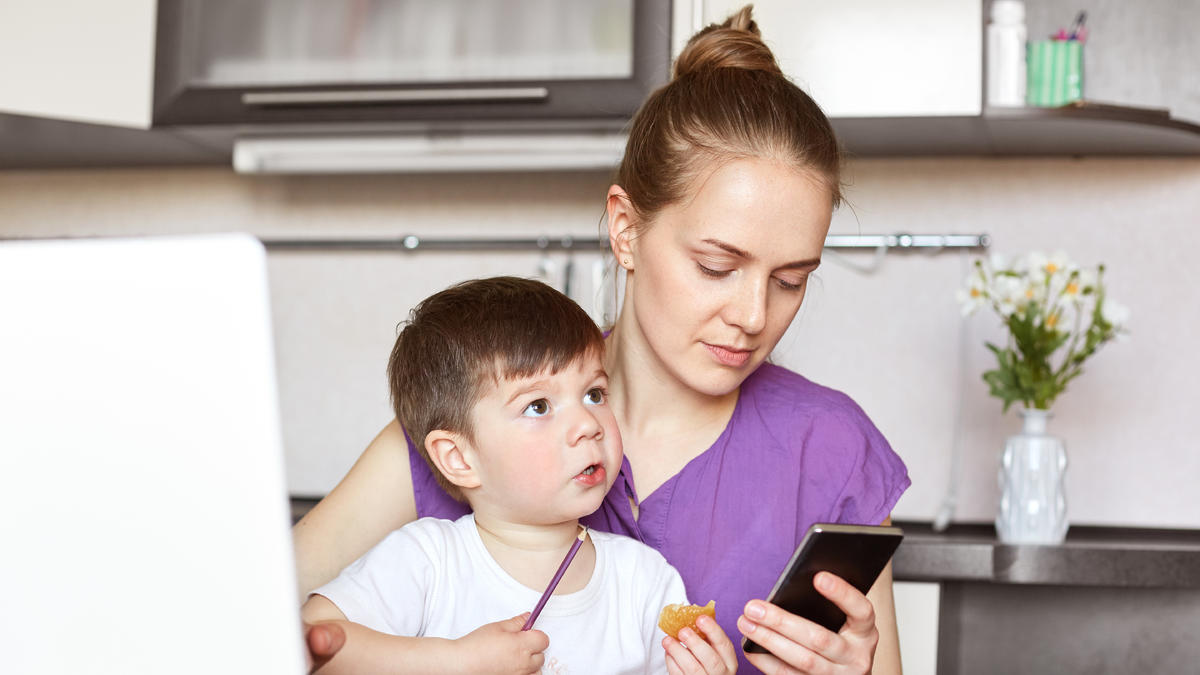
pixel 1054 73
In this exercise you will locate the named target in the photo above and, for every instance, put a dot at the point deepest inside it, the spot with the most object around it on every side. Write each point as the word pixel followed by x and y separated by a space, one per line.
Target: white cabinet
pixel 869 58
pixel 917 608
pixel 78 60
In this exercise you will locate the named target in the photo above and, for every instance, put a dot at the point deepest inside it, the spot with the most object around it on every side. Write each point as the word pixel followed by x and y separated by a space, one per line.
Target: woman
pixel 719 215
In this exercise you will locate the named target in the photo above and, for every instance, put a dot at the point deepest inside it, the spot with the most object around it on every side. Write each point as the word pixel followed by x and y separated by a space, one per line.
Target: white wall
pixel 890 338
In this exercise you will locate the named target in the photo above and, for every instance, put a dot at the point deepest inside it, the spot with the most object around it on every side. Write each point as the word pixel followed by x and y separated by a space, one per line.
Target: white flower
pixel 1035 291
pixel 1059 264
pixel 1047 270
pixel 1076 284
pixel 1087 279
pixel 1115 313
pixel 1045 301
pixel 1029 262
pixel 1009 294
pixel 974 295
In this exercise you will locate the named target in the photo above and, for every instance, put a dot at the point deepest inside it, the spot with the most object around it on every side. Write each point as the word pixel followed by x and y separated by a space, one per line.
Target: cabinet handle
pixel 367 96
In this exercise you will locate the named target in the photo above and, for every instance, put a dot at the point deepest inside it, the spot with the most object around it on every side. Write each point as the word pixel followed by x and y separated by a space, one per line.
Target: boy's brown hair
pixel 459 341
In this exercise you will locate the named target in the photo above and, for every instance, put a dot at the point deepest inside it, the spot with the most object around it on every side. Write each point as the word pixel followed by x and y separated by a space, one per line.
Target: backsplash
pixel 890 338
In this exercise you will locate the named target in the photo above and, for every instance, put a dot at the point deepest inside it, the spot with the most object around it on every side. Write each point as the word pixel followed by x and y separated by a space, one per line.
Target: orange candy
pixel 675 618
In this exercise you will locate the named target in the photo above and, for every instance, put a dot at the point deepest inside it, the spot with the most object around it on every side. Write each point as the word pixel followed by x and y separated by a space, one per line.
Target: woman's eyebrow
pixel 809 263
pixel 729 248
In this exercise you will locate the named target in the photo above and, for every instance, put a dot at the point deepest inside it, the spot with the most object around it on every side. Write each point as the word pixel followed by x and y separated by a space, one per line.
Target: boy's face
pixel 546 447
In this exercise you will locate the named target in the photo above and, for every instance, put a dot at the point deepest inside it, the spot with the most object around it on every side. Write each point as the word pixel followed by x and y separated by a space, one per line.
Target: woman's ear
pixel 621 221
pixel 452 454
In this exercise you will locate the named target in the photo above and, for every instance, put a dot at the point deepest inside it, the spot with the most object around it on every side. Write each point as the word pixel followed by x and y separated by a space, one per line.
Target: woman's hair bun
pixel 736 43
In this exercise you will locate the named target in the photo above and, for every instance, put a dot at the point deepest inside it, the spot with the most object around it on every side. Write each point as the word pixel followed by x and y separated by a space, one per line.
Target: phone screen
pixel 856 553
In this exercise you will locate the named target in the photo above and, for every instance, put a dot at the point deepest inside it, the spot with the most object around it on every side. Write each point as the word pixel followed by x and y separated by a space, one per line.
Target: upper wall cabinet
pixel 874 58
pixel 249 62
pixel 313 61
pixel 78 60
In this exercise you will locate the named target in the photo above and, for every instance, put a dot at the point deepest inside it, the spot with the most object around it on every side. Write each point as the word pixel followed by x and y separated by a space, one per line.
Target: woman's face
pixel 717 277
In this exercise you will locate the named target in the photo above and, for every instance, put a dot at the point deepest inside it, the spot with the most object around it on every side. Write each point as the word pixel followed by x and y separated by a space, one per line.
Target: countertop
pixel 1125 557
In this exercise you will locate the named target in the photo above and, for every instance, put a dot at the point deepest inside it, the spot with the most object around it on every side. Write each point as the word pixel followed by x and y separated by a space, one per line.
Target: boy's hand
pixel 503 648
pixel 692 654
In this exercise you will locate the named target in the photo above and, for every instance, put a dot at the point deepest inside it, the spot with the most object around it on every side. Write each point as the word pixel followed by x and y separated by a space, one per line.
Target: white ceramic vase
pixel 1033 501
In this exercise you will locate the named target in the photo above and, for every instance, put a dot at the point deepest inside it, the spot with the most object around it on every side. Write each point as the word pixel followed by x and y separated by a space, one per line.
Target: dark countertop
pixel 1126 557
pixel 301 506
pixel 1091 556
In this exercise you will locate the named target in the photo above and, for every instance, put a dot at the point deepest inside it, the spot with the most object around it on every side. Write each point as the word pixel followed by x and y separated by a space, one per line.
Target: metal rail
pixel 414 243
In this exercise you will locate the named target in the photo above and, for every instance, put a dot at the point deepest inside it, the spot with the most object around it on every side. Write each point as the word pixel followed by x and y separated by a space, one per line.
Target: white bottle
pixel 1006 54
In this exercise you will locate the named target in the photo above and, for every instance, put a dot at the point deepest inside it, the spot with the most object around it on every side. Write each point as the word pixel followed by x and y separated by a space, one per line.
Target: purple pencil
pixel 557 577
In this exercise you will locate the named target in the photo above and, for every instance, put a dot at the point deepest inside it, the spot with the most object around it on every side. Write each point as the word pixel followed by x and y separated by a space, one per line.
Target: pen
pixel 1077 30
pixel 557 577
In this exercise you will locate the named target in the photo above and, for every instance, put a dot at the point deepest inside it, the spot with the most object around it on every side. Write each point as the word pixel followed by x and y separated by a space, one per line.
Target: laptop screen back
pixel 145 520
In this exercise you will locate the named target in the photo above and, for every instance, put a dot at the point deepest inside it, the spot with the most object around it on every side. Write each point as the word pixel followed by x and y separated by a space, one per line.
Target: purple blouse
pixel 794 453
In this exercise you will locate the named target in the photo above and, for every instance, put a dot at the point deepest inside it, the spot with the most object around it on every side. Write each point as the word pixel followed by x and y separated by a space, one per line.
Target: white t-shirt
pixel 434 578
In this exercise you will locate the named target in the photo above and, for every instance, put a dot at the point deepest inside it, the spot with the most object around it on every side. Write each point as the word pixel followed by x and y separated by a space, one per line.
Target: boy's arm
pixel 374 498
pixel 370 651
pixel 499 647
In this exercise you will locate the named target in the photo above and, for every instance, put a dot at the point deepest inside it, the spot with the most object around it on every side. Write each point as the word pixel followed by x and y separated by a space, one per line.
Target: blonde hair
pixel 728 100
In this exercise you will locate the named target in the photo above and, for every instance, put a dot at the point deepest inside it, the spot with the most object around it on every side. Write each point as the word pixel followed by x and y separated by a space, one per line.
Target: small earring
pixel 627 262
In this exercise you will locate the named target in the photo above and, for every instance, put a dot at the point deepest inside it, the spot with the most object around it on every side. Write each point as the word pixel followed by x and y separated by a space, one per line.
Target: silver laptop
pixel 143 509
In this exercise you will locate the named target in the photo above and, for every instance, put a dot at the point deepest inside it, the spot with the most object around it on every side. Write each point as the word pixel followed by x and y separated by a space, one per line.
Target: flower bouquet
pixel 1057 315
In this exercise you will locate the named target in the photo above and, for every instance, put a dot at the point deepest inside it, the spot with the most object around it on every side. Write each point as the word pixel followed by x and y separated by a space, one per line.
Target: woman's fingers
pixel 860 614
pixel 792 650
pixel 807 647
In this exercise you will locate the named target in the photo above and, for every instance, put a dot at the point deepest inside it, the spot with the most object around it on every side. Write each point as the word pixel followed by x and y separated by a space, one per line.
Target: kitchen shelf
pixel 1084 130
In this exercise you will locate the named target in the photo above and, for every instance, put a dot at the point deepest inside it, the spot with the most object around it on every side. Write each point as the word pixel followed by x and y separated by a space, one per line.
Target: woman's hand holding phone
pixel 818 618
pixel 799 645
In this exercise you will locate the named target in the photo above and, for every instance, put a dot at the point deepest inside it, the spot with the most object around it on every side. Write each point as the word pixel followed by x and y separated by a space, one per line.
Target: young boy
pixel 501 383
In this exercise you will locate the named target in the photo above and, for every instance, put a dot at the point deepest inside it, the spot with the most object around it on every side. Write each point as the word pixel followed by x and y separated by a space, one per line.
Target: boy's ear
pixel 621 221
pixel 452 454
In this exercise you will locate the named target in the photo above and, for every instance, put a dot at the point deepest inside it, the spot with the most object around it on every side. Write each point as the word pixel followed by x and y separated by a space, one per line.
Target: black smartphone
pixel 856 553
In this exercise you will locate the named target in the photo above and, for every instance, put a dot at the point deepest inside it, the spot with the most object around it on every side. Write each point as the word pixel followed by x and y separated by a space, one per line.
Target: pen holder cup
pixel 1054 73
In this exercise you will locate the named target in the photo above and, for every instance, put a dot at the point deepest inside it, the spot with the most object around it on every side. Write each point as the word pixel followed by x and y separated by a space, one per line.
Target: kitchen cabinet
pixel 78 60
pixel 898 79
pixel 577 63
pixel 906 79
pixel 1107 600
pixel 876 58
pixel 311 62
